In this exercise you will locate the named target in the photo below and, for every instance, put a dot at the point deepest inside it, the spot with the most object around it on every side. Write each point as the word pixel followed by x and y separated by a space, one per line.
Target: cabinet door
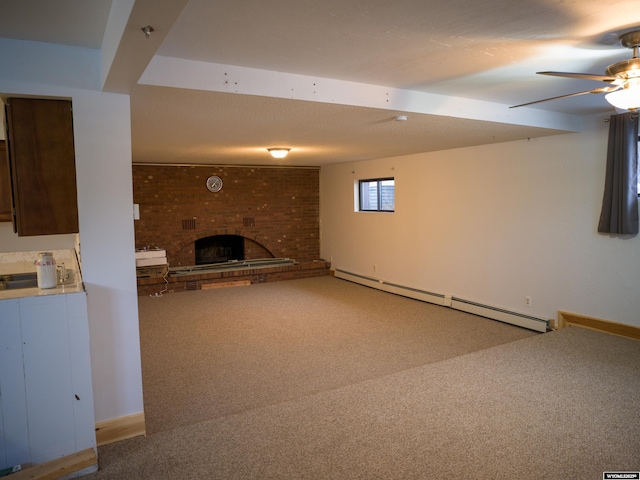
pixel 47 372
pixel 84 419
pixel 14 431
pixel 42 166
pixel 5 185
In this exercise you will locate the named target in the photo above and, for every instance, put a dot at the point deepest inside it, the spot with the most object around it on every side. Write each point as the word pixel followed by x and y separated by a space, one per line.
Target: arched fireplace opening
pixel 219 248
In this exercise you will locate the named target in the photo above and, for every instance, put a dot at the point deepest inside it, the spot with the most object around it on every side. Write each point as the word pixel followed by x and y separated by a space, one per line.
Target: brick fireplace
pixel 266 212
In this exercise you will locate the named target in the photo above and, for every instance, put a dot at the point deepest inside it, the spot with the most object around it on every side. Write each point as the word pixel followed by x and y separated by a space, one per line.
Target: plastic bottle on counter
pixel 46 270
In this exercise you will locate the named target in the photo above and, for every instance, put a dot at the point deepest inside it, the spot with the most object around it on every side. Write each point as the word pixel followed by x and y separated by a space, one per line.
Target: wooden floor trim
pixel 235 283
pixel 629 331
pixel 62 467
pixel 120 428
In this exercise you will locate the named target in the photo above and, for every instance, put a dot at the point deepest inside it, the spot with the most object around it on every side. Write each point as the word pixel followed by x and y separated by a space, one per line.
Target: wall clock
pixel 214 183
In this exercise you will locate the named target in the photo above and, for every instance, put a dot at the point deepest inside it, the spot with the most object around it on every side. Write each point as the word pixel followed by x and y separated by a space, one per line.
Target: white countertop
pixel 24 262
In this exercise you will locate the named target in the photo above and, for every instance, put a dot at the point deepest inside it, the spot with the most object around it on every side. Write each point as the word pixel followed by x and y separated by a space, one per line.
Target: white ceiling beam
pixel 126 51
pixel 189 74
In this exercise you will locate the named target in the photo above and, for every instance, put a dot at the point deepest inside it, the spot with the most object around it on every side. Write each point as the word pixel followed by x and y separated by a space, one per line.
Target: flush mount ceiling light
pixel 278 152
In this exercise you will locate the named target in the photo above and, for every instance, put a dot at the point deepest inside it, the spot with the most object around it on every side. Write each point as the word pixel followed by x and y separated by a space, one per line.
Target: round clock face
pixel 214 183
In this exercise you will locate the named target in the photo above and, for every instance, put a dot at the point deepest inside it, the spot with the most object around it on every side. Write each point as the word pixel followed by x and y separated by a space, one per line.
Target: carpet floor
pixel 537 406
pixel 211 353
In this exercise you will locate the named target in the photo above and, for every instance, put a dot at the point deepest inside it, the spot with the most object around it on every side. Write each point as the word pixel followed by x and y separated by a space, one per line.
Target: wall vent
pixel 249 222
pixel 191 286
pixel 189 224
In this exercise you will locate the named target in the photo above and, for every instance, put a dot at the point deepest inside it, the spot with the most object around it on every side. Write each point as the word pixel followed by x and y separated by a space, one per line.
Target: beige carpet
pixel 209 354
pixel 546 406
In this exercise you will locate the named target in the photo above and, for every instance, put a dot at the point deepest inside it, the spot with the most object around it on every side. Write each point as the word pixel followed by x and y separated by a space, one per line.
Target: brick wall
pixel 277 210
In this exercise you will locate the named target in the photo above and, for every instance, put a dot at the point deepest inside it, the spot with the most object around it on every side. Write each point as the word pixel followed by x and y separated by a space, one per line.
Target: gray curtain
pixel 620 202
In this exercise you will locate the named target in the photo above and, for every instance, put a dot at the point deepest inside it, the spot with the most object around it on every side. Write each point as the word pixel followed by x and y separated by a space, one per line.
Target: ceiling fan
pixel 623 78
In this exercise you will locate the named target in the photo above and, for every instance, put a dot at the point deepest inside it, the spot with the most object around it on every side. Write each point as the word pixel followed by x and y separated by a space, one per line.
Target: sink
pixel 18 276
pixel 18 280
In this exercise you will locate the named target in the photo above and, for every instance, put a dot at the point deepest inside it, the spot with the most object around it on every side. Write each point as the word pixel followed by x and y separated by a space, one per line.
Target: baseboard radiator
pixel 495 313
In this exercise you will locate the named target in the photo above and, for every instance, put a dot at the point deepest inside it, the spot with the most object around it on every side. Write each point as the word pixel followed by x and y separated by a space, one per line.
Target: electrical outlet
pixel 527 301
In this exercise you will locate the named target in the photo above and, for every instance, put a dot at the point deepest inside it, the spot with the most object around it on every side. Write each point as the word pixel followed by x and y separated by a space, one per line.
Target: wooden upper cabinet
pixel 5 185
pixel 42 166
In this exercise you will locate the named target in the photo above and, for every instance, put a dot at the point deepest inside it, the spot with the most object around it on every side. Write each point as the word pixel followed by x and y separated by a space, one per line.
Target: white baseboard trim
pixel 495 313
pixel 391 287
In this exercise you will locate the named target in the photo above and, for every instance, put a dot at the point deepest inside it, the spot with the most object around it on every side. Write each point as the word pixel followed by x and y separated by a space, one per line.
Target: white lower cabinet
pixel 14 441
pixel 46 396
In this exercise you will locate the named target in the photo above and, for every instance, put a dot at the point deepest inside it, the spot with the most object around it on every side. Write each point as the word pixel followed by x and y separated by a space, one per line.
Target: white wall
pixel 11 242
pixel 103 169
pixel 491 224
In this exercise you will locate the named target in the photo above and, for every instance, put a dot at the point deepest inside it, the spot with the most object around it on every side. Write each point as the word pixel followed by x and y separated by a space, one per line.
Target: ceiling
pixel 219 82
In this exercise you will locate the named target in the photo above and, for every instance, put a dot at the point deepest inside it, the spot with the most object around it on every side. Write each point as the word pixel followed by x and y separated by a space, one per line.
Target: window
pixel 377 195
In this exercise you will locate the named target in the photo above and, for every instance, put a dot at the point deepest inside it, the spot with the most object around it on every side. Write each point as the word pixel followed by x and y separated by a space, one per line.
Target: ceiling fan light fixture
pixel 627 98
pixel 279 152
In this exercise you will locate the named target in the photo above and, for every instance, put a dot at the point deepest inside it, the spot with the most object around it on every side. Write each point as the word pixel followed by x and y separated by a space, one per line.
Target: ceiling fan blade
pixel 582 76
pixel 595 90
